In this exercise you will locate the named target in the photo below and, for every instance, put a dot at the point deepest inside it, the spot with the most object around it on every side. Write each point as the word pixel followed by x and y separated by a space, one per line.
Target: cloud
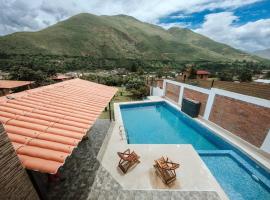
pixel 250 36
pixel 32 15
pixel 175 24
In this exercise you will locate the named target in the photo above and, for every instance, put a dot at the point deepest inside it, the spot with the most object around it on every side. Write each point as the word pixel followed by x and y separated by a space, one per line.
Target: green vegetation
pixel 134 82
pixel 245 76
pixel 41 76
pixel 226 76
pixel 122 95
pixel 267 75
pixel 87 42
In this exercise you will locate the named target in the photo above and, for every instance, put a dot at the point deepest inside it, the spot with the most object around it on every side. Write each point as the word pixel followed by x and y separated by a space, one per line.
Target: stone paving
pixel 105 187
pixel 80 168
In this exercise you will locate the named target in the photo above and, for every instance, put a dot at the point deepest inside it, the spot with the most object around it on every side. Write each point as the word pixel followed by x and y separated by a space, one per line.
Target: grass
pixel 122 95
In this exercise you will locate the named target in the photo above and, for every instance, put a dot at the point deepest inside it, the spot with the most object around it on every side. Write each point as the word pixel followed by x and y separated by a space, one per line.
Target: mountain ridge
pixel 120 36
pixel 265 53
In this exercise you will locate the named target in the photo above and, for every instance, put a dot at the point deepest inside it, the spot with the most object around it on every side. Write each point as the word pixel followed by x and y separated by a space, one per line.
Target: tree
pixel 134 67
pixel 267 75
pixel 140 71
pixel 192 73
pixel 137 87
pixel 225 76
pixel 245 76
pixel 140 92
pixel 29 74
pixel 159 73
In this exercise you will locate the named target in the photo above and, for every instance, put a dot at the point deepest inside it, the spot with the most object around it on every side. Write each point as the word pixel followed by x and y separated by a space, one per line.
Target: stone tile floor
pixel 106 188
pixel 80 168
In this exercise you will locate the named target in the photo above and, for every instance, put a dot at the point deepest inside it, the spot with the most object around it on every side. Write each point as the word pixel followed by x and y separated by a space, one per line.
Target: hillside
pixel 120 36
pixel 263 53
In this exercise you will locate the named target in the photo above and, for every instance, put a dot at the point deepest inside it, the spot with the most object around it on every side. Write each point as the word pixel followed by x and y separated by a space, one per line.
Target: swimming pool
pixel 160 123
pixel 238 179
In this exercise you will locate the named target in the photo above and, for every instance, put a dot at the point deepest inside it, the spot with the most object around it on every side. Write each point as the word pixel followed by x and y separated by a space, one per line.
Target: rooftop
pixel 9 84
pixel 61 77
pixel 202 72
pixel 45 124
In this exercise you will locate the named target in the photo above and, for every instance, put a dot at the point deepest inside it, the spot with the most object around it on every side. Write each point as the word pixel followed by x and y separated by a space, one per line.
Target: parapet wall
pixel 172 92
pixel 245 116
pixel 198 96
pixel 248 121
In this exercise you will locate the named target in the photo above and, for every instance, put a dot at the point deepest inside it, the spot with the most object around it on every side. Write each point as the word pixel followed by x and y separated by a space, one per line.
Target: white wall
pixel 156 91
pixel 266 143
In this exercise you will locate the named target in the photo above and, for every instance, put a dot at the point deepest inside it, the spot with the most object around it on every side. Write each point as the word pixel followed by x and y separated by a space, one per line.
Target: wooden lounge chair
pixel 166 169
pixel 127 160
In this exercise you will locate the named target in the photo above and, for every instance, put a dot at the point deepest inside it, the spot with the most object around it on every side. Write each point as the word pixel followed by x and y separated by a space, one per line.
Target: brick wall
pixel 160 83
pixel 172 91
pixel 14 181
pixel 251 89
pixel 248 121
pixel 198 96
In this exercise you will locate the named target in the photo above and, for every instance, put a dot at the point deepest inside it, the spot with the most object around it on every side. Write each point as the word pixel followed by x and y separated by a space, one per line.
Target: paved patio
pixel 106 187
pixel 80 168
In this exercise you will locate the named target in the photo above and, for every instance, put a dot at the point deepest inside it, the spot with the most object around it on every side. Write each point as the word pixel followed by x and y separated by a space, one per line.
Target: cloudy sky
pixel 243 24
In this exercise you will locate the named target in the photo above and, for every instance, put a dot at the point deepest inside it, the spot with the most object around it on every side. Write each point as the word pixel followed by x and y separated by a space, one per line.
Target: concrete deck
pixel 105 187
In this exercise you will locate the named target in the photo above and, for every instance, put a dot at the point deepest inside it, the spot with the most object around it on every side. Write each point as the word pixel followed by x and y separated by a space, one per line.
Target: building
pixel 202 74
pixel 40 128
pixel 62 77
pixel 189 74
pixel 9 86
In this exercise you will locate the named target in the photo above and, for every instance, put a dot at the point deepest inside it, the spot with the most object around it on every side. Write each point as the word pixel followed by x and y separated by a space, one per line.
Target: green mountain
pixel 263 53
pixel 120 36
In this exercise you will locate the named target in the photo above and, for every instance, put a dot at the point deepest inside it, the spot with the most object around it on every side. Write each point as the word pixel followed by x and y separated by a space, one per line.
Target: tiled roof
pixel 9 84
pixel 45 124
pixel 61 77
pixel 202 72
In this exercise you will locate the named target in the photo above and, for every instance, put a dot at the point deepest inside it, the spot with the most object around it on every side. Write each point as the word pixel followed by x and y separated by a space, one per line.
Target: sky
pixel 242 24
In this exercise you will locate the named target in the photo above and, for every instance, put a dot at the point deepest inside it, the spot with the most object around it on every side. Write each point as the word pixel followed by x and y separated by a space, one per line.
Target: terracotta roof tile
pixel 45 124
pixel 202 72
pixel 9 84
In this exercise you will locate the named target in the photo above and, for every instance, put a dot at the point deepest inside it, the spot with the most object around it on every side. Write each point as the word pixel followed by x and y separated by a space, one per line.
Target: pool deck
pixel 193 175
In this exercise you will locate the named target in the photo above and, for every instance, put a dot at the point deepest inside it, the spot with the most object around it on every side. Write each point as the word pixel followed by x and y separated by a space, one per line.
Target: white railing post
pixel 181 95
pixel 266 143
pixel 209 104
pixel 164 87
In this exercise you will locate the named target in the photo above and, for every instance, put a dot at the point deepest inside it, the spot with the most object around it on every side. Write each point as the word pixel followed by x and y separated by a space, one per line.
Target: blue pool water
pixel 160 123
pixel 237 181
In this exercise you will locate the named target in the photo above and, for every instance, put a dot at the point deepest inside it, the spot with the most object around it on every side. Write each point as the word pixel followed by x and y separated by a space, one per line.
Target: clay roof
pixel 9 84
pixel 202 72
pixel 45 124
pixel 61 77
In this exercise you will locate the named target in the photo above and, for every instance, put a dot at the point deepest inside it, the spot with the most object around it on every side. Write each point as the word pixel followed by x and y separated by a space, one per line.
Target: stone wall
pixel 198 96
pixel 248 121
pixel 14 181
pixel 172 92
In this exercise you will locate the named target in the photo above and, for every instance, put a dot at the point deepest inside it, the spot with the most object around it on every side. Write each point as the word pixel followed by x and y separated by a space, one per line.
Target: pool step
pixel 255 177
